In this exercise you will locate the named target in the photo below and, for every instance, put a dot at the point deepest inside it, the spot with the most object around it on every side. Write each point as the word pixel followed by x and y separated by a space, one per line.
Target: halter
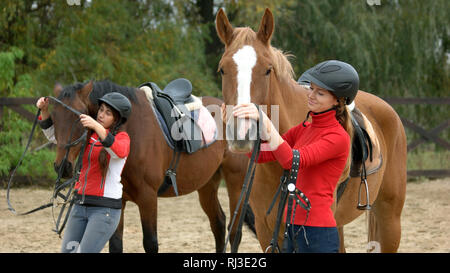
pixel 59 185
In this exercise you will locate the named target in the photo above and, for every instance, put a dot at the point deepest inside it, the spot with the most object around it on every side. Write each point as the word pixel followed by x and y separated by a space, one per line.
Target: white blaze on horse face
pixel 245 59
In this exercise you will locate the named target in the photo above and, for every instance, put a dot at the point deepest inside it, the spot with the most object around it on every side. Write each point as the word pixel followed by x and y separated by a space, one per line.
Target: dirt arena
pixel 183 227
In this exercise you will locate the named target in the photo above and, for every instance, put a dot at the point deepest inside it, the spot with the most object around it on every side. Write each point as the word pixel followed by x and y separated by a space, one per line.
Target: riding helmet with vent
pixel 335 76
pixel 118 102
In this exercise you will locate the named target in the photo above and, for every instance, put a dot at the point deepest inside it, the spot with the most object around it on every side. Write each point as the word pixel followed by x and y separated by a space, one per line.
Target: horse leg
pixel 211 206
pixel 264 232
pixel 384 227
pixel 385 224
pixel 116 240
pixel 234 171
pixel 234 178
pixel 147 203
pixel 341 239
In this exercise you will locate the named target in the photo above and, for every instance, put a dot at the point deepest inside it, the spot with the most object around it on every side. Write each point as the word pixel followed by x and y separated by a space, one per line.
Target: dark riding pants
pixel 312 239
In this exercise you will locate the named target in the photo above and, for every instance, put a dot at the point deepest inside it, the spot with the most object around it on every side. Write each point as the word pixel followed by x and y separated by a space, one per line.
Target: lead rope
pixel 10 207
pixel 58 187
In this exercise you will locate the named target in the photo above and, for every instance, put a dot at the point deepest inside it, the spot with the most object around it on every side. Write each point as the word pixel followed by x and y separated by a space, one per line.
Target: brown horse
pixel 149 158
pixel 254 71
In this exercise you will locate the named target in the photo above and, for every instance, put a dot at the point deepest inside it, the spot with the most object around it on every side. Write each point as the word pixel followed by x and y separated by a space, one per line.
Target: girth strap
pixel 170 177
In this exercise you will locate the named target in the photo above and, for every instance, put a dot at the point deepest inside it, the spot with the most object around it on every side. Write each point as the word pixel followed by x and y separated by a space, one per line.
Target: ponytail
pixel 344 118
pixel 103 155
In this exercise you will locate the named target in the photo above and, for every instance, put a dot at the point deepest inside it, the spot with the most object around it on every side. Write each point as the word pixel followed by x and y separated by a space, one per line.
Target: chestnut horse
pixel 149 158
pixel 254 71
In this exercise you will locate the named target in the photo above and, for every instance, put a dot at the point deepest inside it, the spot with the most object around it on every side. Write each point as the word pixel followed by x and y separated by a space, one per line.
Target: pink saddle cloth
pixel 208 126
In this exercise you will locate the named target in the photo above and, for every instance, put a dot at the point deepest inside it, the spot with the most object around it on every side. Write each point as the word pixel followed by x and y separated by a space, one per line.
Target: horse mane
pixel 281 64
pixel 99 89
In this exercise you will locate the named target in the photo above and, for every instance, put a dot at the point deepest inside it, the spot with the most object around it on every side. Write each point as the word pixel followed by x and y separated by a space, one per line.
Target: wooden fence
pixel 426 135
pixel 431 135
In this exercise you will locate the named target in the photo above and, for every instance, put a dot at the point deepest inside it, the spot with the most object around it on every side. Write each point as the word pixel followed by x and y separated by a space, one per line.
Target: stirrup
pixel 367 206
pixel 274 248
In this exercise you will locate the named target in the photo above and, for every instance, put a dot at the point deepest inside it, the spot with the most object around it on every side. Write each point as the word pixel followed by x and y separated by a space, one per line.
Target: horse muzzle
pixel 241 134
pixel 66 170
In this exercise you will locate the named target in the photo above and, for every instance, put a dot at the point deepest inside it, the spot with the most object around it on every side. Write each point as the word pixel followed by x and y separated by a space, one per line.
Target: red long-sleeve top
pixel 324 146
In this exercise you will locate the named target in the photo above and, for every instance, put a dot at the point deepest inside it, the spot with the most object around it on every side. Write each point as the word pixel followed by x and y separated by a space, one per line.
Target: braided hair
pixel 114 129
pixel 343 116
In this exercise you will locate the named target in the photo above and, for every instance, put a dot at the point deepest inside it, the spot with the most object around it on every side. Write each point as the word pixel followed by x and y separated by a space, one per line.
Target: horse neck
pixel 292 101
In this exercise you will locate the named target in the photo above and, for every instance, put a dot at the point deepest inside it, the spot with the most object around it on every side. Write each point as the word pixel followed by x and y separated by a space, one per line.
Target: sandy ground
pixel 184 228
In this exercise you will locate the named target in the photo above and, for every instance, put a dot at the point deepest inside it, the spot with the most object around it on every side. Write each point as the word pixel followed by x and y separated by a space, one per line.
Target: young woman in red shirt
pixel 98 192
pixel 324 146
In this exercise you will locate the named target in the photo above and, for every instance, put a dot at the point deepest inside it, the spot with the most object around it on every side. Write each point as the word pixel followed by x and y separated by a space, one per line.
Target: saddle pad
pixel 208 125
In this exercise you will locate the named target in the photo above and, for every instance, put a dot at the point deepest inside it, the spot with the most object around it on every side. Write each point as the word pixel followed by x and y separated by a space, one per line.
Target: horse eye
pixel 268 71
pixel 221 71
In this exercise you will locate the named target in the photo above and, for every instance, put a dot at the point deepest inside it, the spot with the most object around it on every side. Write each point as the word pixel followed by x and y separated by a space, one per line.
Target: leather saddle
pixel 179 90
pixel 365 147
pixel 366 153
pixel 173 107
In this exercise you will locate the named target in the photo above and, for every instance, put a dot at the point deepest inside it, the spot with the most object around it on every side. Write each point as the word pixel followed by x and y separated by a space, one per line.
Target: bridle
pixel 287 191
pixel 246 189
pixel 60 186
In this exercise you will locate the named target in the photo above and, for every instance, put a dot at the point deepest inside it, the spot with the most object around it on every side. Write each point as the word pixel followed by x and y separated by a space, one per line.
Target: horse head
pixel 250 67
pixel 67 126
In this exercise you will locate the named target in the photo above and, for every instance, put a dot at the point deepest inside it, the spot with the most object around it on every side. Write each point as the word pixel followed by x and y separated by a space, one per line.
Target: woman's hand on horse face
pixel 268 130
pixel 249 110
pixel 42 104
pixel 246 110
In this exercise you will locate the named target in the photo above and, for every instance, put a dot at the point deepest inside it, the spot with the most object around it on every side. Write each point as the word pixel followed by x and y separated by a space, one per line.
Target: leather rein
pixel 59 185
pixel 287 191
pixel 246 190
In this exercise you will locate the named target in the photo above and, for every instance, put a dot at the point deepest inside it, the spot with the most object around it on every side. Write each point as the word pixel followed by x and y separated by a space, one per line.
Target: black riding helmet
pixel 118 102
pixel 337 77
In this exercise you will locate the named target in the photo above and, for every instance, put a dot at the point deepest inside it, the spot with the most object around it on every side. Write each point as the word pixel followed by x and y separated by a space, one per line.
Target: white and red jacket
pixel 91 188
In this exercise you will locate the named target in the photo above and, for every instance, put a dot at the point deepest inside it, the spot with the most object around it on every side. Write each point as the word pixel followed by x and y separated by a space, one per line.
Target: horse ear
pixel 223 27
pixel 86 90
pixel 266 27
pixel 57 89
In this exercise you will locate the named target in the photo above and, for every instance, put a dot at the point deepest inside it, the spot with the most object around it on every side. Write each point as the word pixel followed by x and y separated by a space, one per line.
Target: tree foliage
pixel 400 48
pixel 14 130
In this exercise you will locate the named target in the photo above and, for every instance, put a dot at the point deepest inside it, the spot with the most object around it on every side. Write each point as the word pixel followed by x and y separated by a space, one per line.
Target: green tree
pixel 400 48
pixel 14 129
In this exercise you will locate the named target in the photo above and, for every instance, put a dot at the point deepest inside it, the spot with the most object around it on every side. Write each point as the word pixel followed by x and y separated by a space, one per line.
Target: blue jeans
pixel 89 228
pixel 312 239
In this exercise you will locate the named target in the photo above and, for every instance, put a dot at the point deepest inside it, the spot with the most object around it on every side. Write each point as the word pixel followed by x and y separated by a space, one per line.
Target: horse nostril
pixel 67 171
pixel 68 168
